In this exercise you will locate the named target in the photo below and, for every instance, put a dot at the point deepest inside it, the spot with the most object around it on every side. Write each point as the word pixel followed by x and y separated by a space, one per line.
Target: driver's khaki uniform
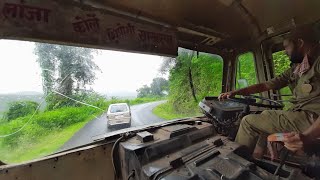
pixel 254 128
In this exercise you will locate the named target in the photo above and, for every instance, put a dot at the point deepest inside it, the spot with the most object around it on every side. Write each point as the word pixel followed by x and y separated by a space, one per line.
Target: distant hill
pixel 27 93
pixel 23 93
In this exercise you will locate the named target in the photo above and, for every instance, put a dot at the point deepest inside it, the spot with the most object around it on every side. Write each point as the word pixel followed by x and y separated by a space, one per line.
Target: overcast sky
pixel 122 73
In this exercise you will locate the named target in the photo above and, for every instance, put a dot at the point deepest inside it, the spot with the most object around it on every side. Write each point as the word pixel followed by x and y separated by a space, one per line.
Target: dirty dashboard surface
pixel 192 151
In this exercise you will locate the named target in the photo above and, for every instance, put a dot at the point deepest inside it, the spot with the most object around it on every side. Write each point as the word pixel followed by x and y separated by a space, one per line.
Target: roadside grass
pixel 46 145
pixel 47 131
pixel 167 112
pixel 44 134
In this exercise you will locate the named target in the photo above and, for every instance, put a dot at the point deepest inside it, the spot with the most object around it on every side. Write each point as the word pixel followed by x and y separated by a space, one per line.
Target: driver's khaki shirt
pixel 305 89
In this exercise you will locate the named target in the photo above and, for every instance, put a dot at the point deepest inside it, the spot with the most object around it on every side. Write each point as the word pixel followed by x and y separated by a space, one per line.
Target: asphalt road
pixel 141 115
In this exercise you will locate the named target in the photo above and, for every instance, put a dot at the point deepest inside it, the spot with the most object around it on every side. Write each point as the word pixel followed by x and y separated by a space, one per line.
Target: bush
pixel 56 101
pixel 64 117
pixel 20 109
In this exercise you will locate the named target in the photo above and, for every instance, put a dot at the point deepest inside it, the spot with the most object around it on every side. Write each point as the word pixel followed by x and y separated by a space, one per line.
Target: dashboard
pixel 224 114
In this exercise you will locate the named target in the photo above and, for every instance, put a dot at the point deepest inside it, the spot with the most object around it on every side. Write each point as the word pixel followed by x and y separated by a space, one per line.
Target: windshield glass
pixel 118 108
pixel 61 94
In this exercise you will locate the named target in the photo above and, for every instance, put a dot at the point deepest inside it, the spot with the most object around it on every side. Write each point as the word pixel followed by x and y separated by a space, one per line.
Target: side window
pixel 207 72
pixel 281 63
pixel 246 72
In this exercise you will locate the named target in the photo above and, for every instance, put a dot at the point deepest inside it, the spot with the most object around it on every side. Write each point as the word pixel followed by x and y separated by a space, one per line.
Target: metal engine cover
pixel 225 112
pixel 192 152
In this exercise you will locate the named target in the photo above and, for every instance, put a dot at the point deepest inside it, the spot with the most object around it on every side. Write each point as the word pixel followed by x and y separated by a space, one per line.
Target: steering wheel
pixel 250 100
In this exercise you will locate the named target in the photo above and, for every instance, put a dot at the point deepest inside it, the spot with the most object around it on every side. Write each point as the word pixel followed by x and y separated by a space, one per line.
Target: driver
pixel 303 78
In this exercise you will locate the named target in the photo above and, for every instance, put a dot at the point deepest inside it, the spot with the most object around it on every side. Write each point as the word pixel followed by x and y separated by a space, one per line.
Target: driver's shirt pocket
pixel 308 85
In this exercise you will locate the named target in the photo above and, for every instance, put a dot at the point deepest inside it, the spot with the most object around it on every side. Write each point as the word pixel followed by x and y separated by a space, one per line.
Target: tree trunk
pixel 191 84
pixel 190 56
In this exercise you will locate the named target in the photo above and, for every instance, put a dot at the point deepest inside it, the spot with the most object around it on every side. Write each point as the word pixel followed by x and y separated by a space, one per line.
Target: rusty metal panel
pixel 92 162
pixel 74 23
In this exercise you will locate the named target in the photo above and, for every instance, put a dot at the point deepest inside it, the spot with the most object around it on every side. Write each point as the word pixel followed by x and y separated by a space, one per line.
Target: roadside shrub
pixel 56 101
pixel 64 117
pixel 20 109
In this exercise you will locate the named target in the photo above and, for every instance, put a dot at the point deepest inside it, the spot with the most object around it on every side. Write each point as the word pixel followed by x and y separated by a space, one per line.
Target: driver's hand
pixel 226 95
pixel 293 141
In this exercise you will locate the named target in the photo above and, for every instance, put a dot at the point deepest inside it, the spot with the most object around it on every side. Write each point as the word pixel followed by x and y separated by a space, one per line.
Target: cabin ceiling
pixel 218 23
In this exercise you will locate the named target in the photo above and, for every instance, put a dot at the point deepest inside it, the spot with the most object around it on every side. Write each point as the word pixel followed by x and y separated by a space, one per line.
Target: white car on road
pixel 119 115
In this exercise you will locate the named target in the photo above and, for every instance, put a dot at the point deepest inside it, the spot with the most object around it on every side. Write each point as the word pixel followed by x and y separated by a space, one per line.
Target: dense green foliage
pixel 246 70
pixel 206 73
pixel 20 109
pixel 205 80
pixel 55 101
pixel 281 63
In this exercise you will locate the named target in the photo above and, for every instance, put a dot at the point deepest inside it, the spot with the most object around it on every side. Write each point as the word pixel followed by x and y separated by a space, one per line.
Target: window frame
pixel 237 68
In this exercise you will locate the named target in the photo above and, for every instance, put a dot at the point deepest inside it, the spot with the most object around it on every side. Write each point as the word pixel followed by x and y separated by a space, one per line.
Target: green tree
pixel 184 61
pixel 159 86
pixel 144 91
pixel 20 109
pixel 47 61
pixel 206 74
pixel 65 68
pixel 281 62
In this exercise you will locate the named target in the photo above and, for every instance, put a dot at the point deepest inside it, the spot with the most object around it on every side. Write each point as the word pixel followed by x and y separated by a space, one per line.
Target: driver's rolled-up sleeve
pixel 280 81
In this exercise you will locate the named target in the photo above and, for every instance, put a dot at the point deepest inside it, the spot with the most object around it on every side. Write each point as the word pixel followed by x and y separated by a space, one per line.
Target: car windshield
pixel 61 94
pixel 118 108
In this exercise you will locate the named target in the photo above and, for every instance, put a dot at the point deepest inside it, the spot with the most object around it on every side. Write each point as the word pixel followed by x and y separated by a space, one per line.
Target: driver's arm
pixel 257 88
pixel 274 84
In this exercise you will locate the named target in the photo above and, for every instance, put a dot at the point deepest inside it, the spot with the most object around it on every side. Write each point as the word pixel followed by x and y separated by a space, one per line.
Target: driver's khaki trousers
pixel 255 128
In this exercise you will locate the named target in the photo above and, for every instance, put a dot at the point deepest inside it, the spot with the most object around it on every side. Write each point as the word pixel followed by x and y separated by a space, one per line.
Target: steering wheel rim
pixel 248 101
